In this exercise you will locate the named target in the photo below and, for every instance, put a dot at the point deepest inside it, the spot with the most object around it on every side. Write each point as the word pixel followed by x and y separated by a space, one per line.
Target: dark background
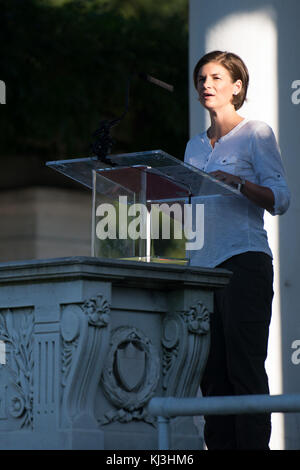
pixel 66 64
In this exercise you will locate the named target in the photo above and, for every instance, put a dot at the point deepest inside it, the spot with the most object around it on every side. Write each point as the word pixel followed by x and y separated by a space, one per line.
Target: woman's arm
pixel 260 195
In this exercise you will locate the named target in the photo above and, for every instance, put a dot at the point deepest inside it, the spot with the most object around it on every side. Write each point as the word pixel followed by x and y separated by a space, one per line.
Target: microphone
pixel 157 82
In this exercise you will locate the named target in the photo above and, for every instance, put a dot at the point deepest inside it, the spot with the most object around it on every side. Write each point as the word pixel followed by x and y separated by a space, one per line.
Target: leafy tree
pixel 66 65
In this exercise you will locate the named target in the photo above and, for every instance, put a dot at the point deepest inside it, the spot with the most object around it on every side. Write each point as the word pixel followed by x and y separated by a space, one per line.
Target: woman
pixel 242 153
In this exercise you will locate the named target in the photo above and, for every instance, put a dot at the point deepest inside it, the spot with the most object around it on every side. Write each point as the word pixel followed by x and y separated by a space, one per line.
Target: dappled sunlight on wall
pixel 253 36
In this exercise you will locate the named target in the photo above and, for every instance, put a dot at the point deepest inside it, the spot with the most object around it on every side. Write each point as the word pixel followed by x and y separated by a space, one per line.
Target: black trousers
pixel 239 339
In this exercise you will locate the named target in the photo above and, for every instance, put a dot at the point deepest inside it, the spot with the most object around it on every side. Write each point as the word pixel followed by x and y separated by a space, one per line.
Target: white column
pixel 262 33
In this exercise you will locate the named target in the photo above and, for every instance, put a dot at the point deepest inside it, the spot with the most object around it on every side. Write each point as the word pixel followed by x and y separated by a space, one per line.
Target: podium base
pixel 88 342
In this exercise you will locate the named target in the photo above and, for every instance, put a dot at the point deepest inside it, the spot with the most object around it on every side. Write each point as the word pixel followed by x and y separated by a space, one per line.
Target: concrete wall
pixel 266 35
pixel 44 222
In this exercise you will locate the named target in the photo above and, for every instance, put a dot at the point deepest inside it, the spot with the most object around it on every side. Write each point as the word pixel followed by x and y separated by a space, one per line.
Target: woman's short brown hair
pixel 235 66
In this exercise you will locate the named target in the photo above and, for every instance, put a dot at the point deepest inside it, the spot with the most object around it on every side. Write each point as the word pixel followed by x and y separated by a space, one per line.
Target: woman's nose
pixel 207 83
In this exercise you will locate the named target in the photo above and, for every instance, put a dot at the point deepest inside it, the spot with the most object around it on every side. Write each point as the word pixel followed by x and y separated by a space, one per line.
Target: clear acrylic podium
pixel 143 204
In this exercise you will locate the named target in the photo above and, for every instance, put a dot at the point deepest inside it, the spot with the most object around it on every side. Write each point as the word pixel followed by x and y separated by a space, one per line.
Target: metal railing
pixel 167 407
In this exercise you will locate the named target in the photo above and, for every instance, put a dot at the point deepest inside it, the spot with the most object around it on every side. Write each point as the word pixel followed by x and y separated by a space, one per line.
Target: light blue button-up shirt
pixel 234 224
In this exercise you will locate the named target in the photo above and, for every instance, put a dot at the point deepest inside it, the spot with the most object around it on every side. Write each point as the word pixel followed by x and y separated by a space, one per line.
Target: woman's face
pixel 215 86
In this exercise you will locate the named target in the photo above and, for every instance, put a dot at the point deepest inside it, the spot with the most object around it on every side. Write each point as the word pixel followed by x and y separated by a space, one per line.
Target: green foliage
pixel 66 64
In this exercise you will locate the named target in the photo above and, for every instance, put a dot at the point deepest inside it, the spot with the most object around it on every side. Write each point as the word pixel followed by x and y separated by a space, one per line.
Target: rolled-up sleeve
pixel 269 168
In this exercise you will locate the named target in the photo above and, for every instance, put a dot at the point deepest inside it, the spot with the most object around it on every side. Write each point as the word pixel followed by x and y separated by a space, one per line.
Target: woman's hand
pixel 260 195
pixel 227 178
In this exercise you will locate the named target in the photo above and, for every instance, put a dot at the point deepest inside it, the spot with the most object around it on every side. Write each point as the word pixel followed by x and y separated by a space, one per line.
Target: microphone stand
pixel 103 143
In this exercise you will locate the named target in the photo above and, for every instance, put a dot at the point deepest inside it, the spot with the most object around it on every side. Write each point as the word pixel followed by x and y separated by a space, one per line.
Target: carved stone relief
pixel 185 342
pixel 130 376
pixel 69 328
pixel 16 374
pixel 85 335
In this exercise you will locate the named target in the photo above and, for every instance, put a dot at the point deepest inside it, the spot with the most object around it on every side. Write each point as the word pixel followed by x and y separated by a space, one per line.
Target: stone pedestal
pixel 85 344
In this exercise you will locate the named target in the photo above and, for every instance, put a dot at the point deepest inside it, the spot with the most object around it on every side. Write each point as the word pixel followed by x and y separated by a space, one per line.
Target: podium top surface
pixel 194 181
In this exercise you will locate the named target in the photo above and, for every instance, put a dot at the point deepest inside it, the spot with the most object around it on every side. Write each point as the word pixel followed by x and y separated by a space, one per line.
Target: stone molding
pixel 185 341
pixel 130 376
pixel 16 400
pixel 85 333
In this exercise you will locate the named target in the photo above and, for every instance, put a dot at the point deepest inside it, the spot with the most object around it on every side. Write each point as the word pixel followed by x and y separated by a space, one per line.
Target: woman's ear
pixel 237 87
